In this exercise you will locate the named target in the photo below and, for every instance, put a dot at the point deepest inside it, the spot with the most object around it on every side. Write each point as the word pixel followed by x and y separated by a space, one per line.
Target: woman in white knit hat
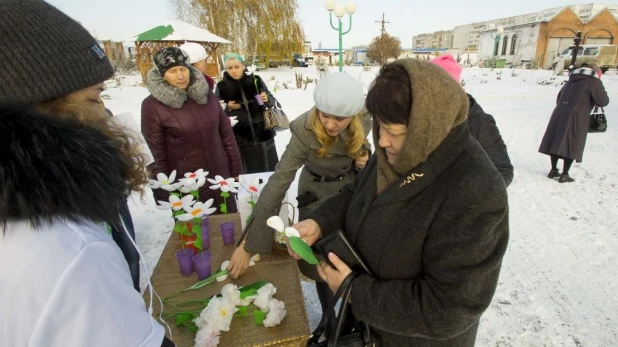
pixel 330 141
pixel 197 58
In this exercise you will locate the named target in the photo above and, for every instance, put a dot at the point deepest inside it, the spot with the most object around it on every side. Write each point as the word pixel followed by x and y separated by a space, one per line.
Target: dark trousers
pixel 260 157
pixel 125 244
pixel 566 164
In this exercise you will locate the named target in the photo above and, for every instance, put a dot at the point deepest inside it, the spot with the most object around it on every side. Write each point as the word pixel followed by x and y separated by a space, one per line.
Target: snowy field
pixel 560 276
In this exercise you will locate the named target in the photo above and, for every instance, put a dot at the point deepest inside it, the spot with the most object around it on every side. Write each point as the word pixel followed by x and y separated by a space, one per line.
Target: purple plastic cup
pixel 184 261
pixel 258 98
pixel 202 265
pixel 227 231
pixel 205 233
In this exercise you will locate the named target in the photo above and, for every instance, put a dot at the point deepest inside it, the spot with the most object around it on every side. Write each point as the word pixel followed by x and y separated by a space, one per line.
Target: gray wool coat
pixel 299 152
pixel 567 130
pixel 433 230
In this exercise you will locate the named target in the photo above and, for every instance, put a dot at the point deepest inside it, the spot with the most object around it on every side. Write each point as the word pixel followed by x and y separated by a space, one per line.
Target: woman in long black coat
pixel 256 144
pixel 565 136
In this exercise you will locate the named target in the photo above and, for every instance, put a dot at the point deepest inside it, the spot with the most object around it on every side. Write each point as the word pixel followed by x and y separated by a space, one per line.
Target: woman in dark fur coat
pixel 257 145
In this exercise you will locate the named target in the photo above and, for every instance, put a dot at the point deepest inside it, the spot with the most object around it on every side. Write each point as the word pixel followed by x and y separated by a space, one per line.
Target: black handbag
pixel 598 122
pixel 359 336
pixel 275 118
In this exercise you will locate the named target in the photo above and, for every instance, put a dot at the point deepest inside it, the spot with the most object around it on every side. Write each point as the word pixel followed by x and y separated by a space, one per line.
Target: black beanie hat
pixel 45 54
pixel 170 57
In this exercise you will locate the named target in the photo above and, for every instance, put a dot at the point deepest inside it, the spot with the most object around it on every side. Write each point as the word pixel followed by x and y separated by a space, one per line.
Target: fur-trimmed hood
pixel 175 97
pixel 439 104
pixel 57 168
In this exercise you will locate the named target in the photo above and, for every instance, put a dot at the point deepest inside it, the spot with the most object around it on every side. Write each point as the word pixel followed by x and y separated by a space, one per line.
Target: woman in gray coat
pixel 329 141
pixel 565 136
pixel 432 239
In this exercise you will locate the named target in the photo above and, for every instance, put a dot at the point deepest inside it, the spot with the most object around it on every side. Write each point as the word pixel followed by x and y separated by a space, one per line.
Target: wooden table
pixel 277 268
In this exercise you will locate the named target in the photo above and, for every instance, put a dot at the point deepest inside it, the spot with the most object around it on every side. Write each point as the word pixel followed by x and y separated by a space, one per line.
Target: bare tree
pixel 384 47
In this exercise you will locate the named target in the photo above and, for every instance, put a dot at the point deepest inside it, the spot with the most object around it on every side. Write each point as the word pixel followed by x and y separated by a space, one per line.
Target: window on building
pixel 496 44
pixel 513 44
pixel 505 42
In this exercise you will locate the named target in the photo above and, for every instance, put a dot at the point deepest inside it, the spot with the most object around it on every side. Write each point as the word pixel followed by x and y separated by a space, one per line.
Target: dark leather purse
pixel 598 122
pixel 360 334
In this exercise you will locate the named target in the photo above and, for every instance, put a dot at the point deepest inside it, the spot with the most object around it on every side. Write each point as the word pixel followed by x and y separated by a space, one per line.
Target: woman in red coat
pixel 185 126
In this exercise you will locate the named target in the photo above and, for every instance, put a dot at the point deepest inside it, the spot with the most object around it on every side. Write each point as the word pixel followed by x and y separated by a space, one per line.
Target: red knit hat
pixel 448 63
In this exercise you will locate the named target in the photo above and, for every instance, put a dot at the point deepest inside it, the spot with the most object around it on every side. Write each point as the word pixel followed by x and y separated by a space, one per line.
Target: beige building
pixel 466 38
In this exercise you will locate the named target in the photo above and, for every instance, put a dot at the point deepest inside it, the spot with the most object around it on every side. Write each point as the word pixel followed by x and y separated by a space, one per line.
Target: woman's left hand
pixel 264 96
pixel 333 277
pixel 361 162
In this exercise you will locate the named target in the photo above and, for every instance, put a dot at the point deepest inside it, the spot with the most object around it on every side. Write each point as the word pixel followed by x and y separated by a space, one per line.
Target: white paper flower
pixel 264 295
pixel 176 203
pixel 231 293
pixel 223 267
pixel 276 313
pixel 226 185
pixel 291 232
pixel 197 174
pixel 207 337
pixel 219 314
pixel 251 69
pixel 276 223
pixel 191 184
pixel 254 187
pixel 196 211
pixel 167 183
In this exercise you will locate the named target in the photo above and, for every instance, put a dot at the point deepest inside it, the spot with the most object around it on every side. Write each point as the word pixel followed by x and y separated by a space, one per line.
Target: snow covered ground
pixel 560 276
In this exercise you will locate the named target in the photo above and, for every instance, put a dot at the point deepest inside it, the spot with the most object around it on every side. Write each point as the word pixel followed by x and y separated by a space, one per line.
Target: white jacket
pixel 68 284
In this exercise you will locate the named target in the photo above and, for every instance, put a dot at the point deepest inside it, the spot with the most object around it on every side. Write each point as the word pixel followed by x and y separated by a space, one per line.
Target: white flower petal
pixel 291 232
pixel 225 265
pixel 215 187
pixel 276 223
pixel 188 200
pixel 251 263
pixel 201 181
pixel 154 184
pixel 224 188
pixel 222 278
pixel 185 217
pixel 161 177
pixel 212 181
pixel 172 177
pixel 210 211
pixel 233 190
pixel 219 178
pixel 256 257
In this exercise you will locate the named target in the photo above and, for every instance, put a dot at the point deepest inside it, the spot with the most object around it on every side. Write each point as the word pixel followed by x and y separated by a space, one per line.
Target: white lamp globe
pixel 339 10
pixel 350 7
pixel 330 5
pixel 500 29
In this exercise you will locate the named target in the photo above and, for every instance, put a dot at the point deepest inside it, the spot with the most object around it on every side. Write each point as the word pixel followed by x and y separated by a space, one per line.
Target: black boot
pixel 553 173
pixel 565 178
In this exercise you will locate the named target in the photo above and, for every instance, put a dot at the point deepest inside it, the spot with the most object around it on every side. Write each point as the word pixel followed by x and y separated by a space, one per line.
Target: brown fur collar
pixel 439 105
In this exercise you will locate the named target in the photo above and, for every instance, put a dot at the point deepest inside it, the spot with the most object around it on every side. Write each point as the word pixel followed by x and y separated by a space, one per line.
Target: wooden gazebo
pixel 174 33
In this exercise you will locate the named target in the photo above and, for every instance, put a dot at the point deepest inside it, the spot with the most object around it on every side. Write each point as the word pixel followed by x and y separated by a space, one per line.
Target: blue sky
pixel 122 19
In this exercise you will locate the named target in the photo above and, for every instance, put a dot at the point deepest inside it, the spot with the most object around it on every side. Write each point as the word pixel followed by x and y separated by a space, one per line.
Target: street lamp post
pixel 496 38
pixel 340 11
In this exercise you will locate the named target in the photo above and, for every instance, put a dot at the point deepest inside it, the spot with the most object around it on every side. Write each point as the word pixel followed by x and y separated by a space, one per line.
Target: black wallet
pixel 339 244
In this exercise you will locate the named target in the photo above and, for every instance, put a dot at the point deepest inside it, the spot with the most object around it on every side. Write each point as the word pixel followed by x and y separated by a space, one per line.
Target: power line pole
pixel 383 22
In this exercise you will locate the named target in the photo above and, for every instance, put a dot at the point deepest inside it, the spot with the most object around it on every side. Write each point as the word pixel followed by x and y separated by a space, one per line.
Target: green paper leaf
pixel 242 309
pixel 225 194
pixel 251 289
pixel 303 250
pixel 184 317
pixel 258 317
pixel 223 208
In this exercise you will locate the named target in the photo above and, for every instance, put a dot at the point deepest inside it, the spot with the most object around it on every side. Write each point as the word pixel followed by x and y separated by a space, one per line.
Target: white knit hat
pixel 340 95
pixel 195 51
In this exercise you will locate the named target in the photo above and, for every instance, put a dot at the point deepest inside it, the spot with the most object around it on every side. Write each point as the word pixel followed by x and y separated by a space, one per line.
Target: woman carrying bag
pixel 246 97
